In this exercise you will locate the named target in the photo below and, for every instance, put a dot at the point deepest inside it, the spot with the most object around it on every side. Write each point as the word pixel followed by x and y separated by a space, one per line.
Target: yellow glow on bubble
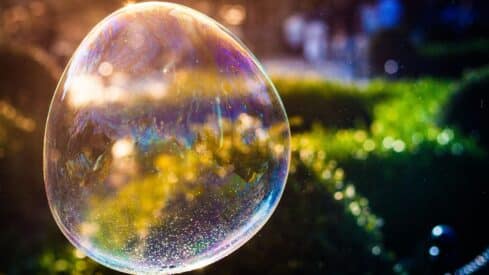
pixel 88 229
pixel 278 149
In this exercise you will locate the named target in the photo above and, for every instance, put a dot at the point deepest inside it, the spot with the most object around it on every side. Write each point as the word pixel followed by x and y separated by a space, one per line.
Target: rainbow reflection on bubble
pixel 167 146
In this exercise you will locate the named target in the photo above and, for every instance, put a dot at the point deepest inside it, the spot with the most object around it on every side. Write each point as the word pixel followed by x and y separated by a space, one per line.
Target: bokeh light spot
pixel 434 251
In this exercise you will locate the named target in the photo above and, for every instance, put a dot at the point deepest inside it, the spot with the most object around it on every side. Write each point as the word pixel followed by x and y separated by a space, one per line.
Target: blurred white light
pixel 129 3
pixel 85 90
pixel 338 196
pixel 376 250
pixel 387 142
pixel 398 146
pixel 437 231
pixel 122 148
pixel 105 69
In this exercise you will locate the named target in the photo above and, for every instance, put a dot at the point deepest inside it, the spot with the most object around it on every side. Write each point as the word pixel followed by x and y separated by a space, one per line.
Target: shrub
pixel 312 232
pixel 468 108
pixel 415 171
pixel 331 104
pixel 390 171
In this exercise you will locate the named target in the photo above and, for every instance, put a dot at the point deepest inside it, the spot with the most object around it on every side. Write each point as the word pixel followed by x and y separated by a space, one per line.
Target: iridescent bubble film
pixel 167 146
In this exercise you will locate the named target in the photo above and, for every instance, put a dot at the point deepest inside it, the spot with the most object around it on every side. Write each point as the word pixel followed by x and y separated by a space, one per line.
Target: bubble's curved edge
pixel 237 243
pixel 57 219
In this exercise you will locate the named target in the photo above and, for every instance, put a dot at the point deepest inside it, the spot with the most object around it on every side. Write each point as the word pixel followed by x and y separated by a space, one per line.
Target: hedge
pixel 374 167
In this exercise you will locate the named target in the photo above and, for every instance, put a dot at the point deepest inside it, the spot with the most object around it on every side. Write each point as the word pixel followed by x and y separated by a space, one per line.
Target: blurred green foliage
pixel 310 101
pixel 373 168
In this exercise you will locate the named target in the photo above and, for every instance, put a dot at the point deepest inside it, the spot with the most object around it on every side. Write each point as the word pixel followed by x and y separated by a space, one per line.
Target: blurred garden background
pixel 387 101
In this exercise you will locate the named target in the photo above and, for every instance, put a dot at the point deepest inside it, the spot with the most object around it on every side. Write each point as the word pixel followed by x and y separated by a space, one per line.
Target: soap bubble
pixel 167 146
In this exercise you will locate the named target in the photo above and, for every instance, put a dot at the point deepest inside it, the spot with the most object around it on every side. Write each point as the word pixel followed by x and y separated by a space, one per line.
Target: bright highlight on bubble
pixel 167 146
